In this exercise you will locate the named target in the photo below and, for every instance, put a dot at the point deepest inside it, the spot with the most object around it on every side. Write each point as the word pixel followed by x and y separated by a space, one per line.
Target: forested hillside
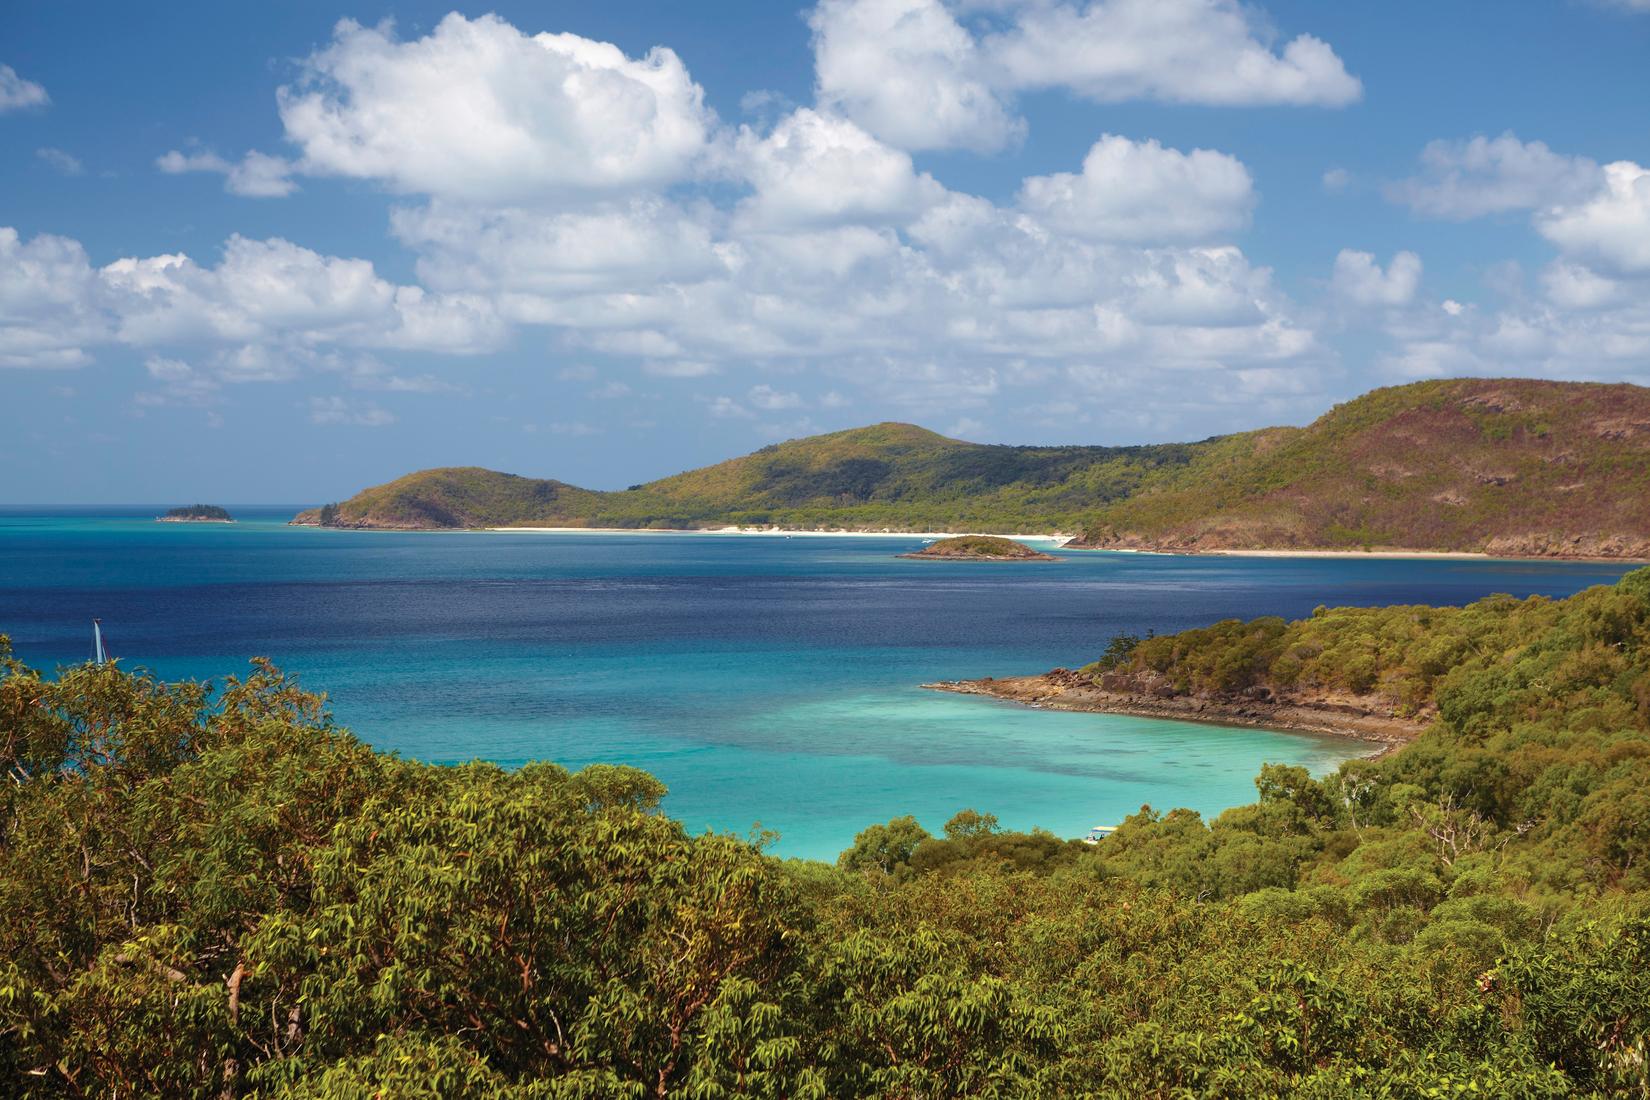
pixel 1516 467
pixel 217 894
pixel 1512 467
pixel 887 475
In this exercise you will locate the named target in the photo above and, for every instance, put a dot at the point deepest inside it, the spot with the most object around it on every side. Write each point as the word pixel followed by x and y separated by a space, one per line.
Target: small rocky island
pixel 197 513
pixel 979 548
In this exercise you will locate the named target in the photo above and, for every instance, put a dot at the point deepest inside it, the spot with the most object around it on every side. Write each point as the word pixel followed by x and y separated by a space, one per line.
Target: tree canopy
pixel 216 892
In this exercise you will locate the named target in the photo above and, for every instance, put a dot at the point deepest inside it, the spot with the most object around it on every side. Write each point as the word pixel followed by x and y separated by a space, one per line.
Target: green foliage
pixel 214 892
pixel 1514 466
pixel 1508 466
pixel 980 546
pixel 893 476
pixel 200 511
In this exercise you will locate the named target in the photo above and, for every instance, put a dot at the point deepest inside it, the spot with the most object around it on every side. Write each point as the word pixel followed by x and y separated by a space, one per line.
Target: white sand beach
pixel 773 533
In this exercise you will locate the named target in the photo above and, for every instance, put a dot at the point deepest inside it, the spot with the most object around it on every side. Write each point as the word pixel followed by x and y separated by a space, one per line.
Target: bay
pixel 765 679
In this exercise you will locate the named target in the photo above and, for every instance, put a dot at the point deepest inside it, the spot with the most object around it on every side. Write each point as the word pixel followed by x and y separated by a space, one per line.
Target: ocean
pixel 769 682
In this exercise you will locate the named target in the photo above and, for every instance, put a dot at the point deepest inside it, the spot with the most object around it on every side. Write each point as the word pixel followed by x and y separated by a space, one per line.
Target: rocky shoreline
pixel 1063 689
pixel 1527 547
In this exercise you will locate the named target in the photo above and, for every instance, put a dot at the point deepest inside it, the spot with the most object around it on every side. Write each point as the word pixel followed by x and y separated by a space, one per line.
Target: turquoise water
pixel 765 680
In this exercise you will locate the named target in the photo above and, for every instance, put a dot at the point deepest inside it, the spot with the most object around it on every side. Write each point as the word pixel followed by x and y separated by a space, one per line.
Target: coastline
pixel 1376 555
pixel 1061 690
pixel 1059 540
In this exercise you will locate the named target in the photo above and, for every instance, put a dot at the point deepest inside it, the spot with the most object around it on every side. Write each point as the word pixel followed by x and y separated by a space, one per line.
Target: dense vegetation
pixel 221 894
pixel 1507 466
pixel 200 512
pixel 889 475
pixel 1400 658
pixel 987 547
pixel 1514 467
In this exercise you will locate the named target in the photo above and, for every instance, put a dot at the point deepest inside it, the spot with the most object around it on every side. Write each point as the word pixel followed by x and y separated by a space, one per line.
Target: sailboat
pixel 100 652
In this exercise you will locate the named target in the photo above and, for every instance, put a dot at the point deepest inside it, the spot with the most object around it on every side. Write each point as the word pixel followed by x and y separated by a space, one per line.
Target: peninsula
pixel 1506 467
pixel 196 513
pixel 979 548
pixel 1373 673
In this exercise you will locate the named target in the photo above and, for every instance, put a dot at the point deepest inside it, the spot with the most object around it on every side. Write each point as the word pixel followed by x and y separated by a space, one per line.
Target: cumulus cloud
pixel 1179 51
pixel 1362 281
pixel 477 110
pixel 61 161
pixel 768 399
pixel 604 246
pixel 256 175
pixel 1610 229
pixel 339 410
pixel 48 311
pixel 177 383
pixel 908 72
pixel 1589 319
pixel 17 93
pixel 1140 191
pixel 816 169
pixel 1591 316
pixel 919 74
pixel 1468 179
pixel 54 304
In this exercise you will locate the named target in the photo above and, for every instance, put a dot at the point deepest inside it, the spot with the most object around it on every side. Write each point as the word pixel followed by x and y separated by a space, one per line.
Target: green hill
pixel 895 476
pixel 1506 466
pixel 1513 467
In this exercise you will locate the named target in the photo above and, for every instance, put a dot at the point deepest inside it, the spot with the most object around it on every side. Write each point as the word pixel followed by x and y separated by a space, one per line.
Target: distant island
pixel 196 513
pixel 979 548
pixel 1505 467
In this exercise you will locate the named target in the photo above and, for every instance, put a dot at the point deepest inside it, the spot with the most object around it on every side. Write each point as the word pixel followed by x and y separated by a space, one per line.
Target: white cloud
pixel 943 74
pixel 17 93
pixel 256 175
pixel 1591 318
pixel 1336 180
pixel 1611 228
pixel 909 73
pixel 262 295
pixel 65 163
pixel 1140 191
pixel 261 176
pixel 48 311
pixel 768 399
pixel 1360 280
pixel 1468 179
pixel 178 383
pixel 726 408
pixel 338 410
pixel 1180 51
pixel 815 169
pixel 610 245
pixel 477 110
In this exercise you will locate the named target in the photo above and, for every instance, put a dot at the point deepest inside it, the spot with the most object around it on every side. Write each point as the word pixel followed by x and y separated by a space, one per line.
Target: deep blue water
pixel 764 679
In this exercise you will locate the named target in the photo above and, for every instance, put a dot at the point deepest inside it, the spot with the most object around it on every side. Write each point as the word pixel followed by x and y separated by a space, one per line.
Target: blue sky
pixel 279 252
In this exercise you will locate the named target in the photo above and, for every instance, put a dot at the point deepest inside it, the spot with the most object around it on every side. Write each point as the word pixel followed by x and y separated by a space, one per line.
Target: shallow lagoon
pixel 764 679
